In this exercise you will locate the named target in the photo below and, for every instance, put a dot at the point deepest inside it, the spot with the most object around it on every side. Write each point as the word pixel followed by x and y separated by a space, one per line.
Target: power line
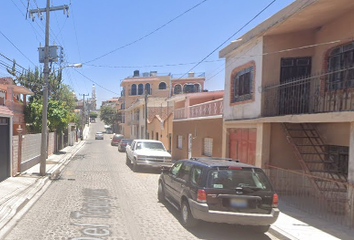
pixel 16 47
pixel 96 83
pixel 259 13
pixel 154 65
pixel 147 35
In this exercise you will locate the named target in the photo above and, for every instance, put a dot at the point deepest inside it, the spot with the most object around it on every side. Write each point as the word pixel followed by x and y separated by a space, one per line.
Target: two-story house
pixel 289 97
pixel 152 88
pixel 12 120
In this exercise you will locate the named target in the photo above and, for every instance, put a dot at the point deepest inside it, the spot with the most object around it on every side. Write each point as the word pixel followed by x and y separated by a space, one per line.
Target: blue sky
pixel 95 28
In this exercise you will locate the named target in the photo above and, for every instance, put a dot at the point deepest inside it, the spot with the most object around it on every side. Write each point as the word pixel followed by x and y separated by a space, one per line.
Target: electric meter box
pixel 53 54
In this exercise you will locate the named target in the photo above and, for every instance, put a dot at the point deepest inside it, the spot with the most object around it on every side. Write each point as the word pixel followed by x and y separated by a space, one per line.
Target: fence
pixel 297 188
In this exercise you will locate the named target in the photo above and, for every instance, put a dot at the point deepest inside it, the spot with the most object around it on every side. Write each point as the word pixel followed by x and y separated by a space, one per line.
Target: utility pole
pixel 146 114
pixel 83 110
pixel 46 70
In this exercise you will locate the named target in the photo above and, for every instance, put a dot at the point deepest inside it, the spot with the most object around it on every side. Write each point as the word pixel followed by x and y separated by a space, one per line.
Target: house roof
pixel 17 89
pixel 299 16
pixel 5 111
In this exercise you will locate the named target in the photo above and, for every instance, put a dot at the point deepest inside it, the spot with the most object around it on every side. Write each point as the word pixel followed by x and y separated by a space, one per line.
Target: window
pixel 197 87
pixel 189 88
pixel 208 147
pixel 123 92
pixel 179 142
pixel 133 90
pixel 177 89
pixel 175 169
pixel 140 89
pixel 162 86
pixel 341 58
pixel 185 171
pixel 196 176
pixel 242 85
pixel 147 87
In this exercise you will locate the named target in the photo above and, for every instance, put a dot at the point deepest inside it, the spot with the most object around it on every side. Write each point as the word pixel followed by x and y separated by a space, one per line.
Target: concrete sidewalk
pixel 18 194
pixel 22 191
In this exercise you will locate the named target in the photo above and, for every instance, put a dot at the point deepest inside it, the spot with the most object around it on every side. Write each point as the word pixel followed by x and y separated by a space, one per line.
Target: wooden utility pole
pixel 46 70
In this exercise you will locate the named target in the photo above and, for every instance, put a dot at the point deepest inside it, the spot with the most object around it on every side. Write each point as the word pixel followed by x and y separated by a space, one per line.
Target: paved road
pixel 128 206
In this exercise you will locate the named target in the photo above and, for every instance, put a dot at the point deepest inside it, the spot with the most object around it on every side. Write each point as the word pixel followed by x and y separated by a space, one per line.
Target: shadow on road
pixel 218 231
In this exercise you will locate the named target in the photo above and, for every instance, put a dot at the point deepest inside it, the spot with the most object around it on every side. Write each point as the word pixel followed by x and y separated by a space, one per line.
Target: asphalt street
pixel 98 197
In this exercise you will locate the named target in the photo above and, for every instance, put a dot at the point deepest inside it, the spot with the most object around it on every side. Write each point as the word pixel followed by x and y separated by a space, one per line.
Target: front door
pixel 294 89
pixel 4 148
pixel 243 145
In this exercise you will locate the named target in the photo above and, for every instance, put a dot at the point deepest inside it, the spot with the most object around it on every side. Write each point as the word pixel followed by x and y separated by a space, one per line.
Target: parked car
pixel 99 135
pixel 151 153
pixel 116 139
pixel 123 144
pixel 221 191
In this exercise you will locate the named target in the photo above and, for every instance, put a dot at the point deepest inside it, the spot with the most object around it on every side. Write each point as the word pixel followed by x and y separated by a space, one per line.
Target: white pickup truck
pixel 151 153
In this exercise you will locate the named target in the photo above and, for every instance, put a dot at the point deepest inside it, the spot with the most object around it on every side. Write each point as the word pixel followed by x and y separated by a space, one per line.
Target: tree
pixel 109 115
pixel 93 115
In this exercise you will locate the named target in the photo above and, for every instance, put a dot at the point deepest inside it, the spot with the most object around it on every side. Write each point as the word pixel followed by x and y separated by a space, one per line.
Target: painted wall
pixel 275 43
pixel 281 152
pixel 252 52
pixel 334 133
pixel 199 129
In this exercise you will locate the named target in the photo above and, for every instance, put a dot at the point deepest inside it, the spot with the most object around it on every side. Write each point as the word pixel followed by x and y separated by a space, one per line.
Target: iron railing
pixel 296 189
pixel 316 94
pixel 207 109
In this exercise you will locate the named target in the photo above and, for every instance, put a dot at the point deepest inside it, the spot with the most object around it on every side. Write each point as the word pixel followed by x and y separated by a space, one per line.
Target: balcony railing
pixel 207 109
pixel 315 94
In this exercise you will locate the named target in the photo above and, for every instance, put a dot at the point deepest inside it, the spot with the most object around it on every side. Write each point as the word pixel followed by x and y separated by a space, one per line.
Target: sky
pixel 112 38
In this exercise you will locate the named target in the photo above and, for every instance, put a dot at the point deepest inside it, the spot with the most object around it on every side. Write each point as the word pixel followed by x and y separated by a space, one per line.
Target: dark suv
pixel 219 190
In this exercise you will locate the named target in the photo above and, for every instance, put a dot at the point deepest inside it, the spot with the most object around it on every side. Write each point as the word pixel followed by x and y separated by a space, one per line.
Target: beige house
pixel 197 125
pixel 157 88
pixel 289 98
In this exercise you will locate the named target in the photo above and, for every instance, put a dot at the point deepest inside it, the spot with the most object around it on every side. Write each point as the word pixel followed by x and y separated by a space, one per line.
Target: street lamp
pixel 44 147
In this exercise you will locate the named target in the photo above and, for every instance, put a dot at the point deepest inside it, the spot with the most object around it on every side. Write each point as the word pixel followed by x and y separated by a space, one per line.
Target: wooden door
pixel 243 145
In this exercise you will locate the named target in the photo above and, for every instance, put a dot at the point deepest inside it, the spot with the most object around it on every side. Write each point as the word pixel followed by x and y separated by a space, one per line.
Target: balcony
pixel 323 93
pixel 211 108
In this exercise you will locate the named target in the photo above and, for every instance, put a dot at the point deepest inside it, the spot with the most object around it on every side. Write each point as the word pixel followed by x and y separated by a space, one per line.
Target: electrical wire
pixel 149 34
pixel 245 25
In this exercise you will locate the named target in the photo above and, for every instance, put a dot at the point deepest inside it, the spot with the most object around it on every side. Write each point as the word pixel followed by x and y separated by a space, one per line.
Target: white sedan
pixel 143 152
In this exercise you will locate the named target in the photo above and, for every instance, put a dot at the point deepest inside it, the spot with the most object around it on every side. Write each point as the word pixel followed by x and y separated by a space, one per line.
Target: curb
pixel 279 233
pixel 16 206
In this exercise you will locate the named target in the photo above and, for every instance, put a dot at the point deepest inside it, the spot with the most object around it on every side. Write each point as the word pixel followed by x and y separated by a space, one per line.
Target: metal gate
pixel 4 148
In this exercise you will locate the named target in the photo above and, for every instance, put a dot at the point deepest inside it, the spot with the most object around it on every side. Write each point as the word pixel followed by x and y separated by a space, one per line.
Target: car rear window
pixel 117 137
pixel 253 178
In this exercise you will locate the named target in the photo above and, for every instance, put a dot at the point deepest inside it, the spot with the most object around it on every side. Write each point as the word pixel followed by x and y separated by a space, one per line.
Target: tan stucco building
pixel 158 88
pixel 289 96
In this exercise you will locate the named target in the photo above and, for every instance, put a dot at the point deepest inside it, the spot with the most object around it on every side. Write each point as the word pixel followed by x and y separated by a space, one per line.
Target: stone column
pixel 263 144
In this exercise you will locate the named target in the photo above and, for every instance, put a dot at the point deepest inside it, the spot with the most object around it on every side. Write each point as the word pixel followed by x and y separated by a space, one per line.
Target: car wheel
pixel 161 193
pixel 127 161
pixel 187 218
pixel 261 229
pixel 135 167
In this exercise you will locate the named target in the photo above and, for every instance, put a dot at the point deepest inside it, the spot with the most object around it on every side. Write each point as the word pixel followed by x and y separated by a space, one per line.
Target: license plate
pixel 238 203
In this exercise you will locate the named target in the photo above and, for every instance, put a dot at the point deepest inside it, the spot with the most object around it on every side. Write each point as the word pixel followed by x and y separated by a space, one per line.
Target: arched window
pixel 188 88
pixel 177 89
pixel 133 90
pixel 162 86
pixel 197 87
pixel 122 93
pixel 147 87
pixel 140 89
pixel 340 67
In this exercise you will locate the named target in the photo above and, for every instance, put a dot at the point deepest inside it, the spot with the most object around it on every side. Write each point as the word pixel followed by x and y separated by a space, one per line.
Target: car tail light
pixel 275 200
pixel 201 197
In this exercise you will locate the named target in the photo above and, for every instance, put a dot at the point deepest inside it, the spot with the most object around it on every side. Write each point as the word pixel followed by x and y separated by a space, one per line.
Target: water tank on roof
pixel 153 73
pixel 136 73
pixel 191 74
